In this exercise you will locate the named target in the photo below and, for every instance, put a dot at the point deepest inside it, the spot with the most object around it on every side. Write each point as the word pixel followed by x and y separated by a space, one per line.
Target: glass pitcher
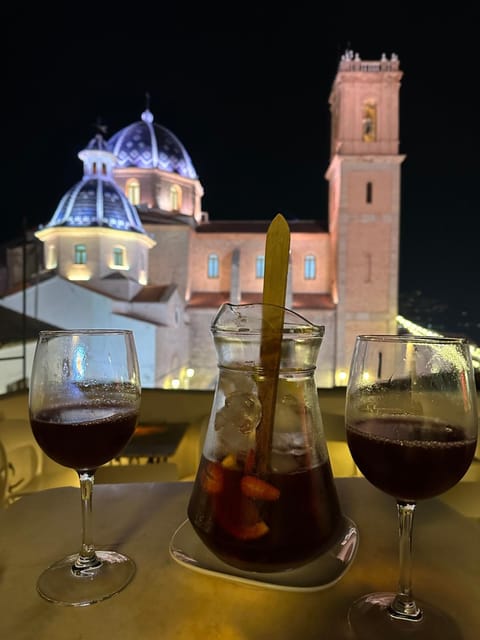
pixel 265 504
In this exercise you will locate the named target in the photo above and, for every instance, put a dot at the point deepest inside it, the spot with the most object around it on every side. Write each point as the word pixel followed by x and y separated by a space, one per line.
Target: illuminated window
pixel 175 197
pixel 369 193
pixel 369 122
pixel 80 256
pixel 51 257
pixel 133 191
pixel 212 269
pixel 118 256
pixel 260 267
pixel 310 268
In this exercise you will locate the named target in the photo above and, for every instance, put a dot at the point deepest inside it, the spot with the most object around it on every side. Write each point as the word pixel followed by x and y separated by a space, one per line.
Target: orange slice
pixel 212 478
pixel 251 532
pixel 258 489
pixel 230 461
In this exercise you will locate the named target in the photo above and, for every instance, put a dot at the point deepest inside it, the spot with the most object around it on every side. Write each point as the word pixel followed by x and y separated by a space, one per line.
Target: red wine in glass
pixel 411 425
pixel 384 449
pixel 72 438
pixel 84 401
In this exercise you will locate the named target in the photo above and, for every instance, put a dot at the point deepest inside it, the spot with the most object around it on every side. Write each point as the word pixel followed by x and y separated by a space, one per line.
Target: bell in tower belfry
pixel 369 122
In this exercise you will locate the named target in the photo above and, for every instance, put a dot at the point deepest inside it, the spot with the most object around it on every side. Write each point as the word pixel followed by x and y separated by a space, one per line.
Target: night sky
pixel 249 101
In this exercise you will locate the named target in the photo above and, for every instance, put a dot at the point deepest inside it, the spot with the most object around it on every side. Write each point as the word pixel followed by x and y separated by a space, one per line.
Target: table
pixel 167 601
pixel 157 441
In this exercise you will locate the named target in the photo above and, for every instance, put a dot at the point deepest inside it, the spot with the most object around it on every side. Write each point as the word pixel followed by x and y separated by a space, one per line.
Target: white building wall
pixel 69 306
pixel 203 357
pixel 168 259
pixel 172 356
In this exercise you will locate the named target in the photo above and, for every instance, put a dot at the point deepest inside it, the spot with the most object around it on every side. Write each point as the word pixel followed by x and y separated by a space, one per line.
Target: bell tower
pixel 364 200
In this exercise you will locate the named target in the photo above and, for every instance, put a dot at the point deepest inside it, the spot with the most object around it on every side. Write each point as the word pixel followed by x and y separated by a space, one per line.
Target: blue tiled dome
pixel 96 201
pixel 148 145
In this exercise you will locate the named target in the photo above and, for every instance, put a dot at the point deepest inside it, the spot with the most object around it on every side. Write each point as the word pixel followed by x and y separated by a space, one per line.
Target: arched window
pixel 369 122
pixel 133 190
pixel 309 268
pixel 80 254
pixel 212 268
pixel 118 256
pixel 369 193
pixel 175 197
pixel 260 267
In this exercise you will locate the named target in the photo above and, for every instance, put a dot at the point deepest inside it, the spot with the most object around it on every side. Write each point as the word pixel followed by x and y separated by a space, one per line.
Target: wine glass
pixel 84 401
pixel 411 426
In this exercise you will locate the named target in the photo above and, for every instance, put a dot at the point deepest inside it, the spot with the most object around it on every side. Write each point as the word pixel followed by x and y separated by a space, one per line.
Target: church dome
pixel 147 145
pixel 96 201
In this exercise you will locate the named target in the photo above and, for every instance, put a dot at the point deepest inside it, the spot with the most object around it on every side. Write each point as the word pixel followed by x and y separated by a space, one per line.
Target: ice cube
pixel 241 412
pixel 238 381
pixel 281 463
pixel 289 413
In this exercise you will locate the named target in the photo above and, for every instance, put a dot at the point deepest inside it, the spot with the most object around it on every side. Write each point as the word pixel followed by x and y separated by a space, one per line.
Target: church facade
pixel 129 245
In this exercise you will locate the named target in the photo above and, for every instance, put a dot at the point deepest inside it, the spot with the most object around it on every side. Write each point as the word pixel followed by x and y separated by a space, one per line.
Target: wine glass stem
pixel 87 558
pixel 404 606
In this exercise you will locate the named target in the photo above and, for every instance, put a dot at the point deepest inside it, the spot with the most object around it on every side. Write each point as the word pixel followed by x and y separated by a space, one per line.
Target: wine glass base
pixel 58 584
pixel 369 618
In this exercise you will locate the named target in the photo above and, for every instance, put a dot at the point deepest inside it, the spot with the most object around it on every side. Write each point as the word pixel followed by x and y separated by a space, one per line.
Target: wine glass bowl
pixel 84 401
pixel 411 426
